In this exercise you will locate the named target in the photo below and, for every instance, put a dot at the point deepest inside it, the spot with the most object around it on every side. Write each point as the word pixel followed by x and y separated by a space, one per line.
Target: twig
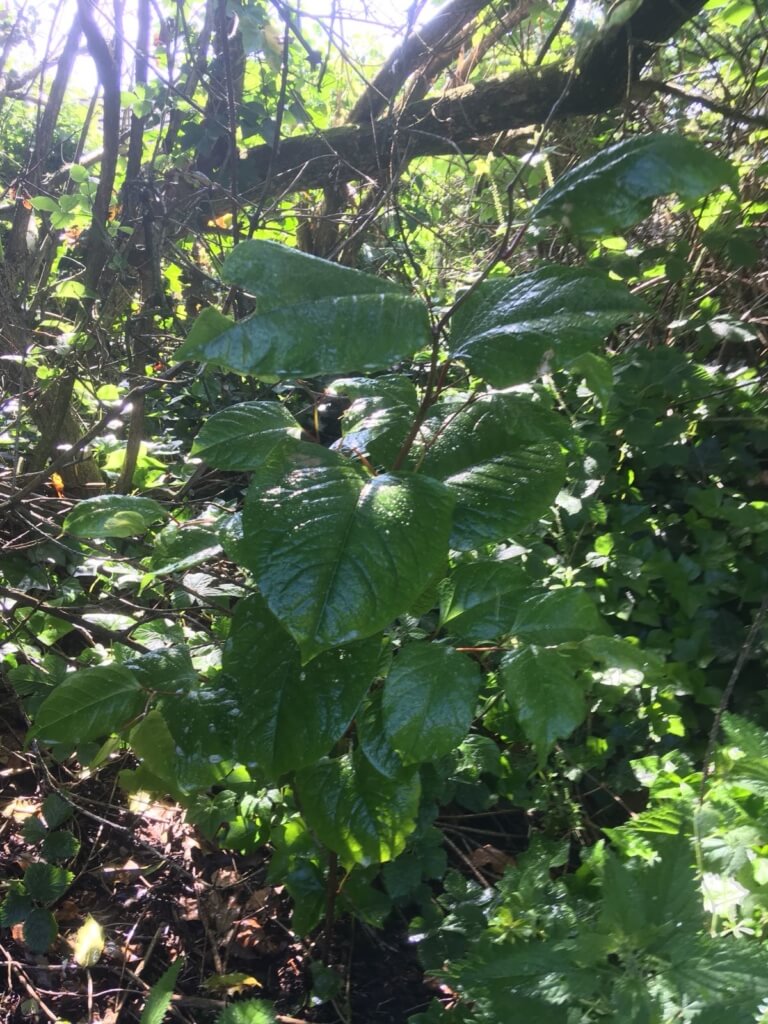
pixel 15 968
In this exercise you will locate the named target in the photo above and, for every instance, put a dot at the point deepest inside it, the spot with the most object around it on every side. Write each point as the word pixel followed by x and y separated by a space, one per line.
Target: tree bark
pixel 463 119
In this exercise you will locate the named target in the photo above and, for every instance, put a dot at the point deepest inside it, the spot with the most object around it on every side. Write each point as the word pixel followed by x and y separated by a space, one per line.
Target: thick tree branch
pixel 464 118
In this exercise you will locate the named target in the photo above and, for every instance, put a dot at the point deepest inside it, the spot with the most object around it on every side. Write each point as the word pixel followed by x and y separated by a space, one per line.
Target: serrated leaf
pixel 16 907
pixel 361 815
pixel 34 830
pixel 46 882
pixel 557 617
pixel 245 435
pixel 479 599
pixel 89 704
pixel 113 515
pixel 40 929
pixel 313 317
pixel 501 457
pixel 338 555
pixel 616 188
pixel 88 944
pixel 160 995
pixel 514 329
pixel 289 716
pixel 246 1011
pixel 56 810
pixel 543 692
pixel 59 846
pixel 428 701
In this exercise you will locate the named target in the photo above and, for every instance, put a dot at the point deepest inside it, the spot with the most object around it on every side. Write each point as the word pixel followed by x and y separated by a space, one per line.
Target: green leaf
pixel 597 373
pixel 377 423
pixel 161 993
pixel 512 330
pixel 312 318
pixel 45 203
pixel 210 323
pixel 16 907
pixel 153 743
pixel 247 1011
pixel 112 515
pixel 616 188
pixel 361 815
pixel 40 930
pixel 544 694
pixel 89 704
pixel 557 617
pixel 500 454
pixel 46 882
pixel 373 739
pixel 59 846
pixel 56 810
pixel 289 716
pixel 338 555
pixel 428 701
pixel 479 600
pixel 244 436
pixel 178 547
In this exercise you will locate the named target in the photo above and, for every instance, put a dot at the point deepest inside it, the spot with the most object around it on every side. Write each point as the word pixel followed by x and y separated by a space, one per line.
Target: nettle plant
pixel 334 704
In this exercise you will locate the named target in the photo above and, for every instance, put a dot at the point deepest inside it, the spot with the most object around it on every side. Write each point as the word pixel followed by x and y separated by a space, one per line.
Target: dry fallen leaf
pixel 88 943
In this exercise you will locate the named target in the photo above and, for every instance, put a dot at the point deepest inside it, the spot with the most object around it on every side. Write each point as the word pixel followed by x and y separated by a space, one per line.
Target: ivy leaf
pixel 544 694
pixel 89 704
pixel 338 555
pixel 428 701
pixel 616 188
pixel 313 318
pixel 243 436
pixel 361 815
pixel 511 330
pixel 501 456
pixel 113 515
pixel 557 617
pixel 289 716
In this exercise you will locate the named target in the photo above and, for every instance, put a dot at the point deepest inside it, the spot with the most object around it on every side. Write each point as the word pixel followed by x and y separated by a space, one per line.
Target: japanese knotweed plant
pixel 453 448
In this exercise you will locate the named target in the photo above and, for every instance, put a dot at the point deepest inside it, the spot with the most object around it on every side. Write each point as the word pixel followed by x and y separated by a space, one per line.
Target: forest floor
pixel 159 892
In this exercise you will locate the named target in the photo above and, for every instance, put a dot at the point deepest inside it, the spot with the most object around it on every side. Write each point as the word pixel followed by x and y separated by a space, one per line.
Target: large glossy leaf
pixel 515 328
pixel 289 716
pixel 312 318
pixel 357 812
pixel 616 188
pixel 337 554
pixel 557 617
pixel 479 600
pixel 243 436
pixel 428 701
pixel 501 456
pixel 543 691
pixel 88 704
pixel 113 515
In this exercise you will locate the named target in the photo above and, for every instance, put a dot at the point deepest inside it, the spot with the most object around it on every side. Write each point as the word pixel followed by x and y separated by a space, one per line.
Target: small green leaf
pixel 337 554
pixel 361 815
pixel 428 701
pixel 513 329
pixel 16 907
pixel 56 810
pixel 60 846
pixel 113 516
pixel 244 436
pixel 313 317
pixel 543 691
pixel 89 704
pixel 40 929
pixel 246 1011
pixel 557 617
pixel 46 882
pixel 616 188
pixel 33 830
pixel 178 547
pixel 161 993
pixel 501 456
